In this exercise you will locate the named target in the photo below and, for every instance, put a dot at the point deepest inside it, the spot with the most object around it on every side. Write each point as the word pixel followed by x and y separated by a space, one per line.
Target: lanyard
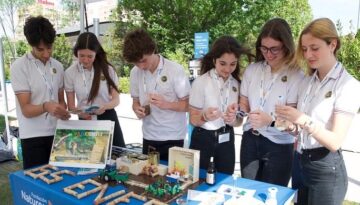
pixel 43 75
pixel 225 102
pixel 264 95
pixel 86 88
pixel 159 70
pixel 307 97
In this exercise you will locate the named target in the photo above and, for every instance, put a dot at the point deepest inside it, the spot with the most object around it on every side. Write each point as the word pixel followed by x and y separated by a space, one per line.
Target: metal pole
pixel 96 27
pixel 82 12
pixel 4 96
pixel 357 26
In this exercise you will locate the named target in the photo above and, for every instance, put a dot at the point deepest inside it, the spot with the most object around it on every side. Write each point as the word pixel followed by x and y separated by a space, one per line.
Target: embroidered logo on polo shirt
pixel 284 79
pixel 328 94
pixel 53 70
pixel 102 77
pixel 234 89
pixel 164 78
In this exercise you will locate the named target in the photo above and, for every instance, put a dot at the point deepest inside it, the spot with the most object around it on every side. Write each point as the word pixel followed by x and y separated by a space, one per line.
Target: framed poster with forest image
pixel 82 143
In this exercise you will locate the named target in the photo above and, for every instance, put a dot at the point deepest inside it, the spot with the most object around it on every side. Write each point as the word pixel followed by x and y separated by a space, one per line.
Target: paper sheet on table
pixel 206 198
pixel 235 191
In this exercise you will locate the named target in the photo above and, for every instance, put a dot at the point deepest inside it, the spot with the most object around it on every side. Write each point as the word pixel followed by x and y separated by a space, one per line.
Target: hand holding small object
pixel 230 115
pixel 56 110
pixel 212 113
pixel 158 100
pixel 139 111
pixel 259 119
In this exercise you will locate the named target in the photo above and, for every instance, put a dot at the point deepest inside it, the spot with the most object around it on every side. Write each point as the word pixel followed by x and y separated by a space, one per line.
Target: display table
pixel 27 190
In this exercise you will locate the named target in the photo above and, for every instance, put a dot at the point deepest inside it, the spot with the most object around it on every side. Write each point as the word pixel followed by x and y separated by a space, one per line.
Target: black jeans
pixel 264 160
pixel 207 142
pixel 325 177
pixel 161 146
pixel 118 139
pixel 36 151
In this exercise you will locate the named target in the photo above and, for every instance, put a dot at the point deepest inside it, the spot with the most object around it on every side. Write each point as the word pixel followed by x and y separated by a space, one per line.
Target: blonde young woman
pixel 328 101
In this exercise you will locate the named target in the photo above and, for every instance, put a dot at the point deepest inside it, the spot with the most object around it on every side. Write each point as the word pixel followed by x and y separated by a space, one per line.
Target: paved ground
pixel 131 128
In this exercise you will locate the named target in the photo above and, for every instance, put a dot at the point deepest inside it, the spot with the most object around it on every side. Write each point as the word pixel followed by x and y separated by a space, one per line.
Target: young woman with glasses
pixel 267 147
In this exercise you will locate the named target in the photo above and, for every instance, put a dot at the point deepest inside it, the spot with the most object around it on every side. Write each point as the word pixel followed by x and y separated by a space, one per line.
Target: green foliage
pixel 180 57
pixel 72 9
pixel 21 47
pixel 124 85
pixel 112 46
pixel 62 51
pixel 349 54
pixel 173 23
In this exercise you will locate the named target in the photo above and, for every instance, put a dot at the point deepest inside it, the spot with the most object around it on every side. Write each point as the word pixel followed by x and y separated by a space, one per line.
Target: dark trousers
pixel 118 139
pixel 36 151
pixel 264 160
pixel 207 142
pixel 161 146
pixel 325 177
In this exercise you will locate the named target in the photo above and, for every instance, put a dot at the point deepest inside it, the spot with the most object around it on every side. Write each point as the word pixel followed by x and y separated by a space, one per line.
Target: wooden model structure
pixel 102 188
pixel 41 172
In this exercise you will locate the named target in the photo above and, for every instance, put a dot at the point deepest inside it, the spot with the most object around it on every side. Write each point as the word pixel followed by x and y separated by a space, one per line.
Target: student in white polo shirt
pixel 266 152
pixel 212 94
pixel 328 101
pixel 37 80
pixel 160 91
pixel 94 82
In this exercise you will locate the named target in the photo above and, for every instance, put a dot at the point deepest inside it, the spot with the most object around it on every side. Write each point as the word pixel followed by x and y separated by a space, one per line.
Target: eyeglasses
pixel 273 50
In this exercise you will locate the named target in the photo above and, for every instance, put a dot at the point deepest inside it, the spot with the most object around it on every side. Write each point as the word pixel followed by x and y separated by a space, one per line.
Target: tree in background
pixel 62 51
pixel 349 54
pixel 173 23
pixel 8 9
pixel 72 9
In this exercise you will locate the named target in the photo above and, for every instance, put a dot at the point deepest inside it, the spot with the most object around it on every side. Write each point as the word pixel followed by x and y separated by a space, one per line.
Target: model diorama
pixel 143 178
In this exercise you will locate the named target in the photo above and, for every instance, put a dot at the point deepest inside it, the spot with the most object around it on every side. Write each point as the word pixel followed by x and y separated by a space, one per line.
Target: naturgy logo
pixel 32 199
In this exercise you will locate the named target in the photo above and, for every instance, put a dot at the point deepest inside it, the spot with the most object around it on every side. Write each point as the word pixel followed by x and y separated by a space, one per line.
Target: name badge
pixel 224 137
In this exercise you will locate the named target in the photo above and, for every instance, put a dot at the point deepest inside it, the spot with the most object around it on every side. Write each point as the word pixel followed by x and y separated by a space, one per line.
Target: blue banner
pixel 201 44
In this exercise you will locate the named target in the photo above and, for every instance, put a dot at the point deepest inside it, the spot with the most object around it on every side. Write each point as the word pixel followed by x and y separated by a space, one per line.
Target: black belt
pixel 316 153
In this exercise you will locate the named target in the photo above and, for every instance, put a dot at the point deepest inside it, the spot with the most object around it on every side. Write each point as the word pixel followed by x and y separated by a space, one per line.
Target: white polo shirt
pixel 169 80
pixel 30 75
pixel 338 92
pixel 80 80
pixel 284 83
pixel 210 90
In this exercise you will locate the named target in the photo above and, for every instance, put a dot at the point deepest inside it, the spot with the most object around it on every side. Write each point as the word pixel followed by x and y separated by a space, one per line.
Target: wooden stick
pixel 70 191
pixel 154 202
pixel 101 193
pixel 113 195
pixel 82 195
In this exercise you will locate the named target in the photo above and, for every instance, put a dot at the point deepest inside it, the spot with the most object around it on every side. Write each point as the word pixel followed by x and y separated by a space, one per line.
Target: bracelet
pixel 203 117
pixel 43 106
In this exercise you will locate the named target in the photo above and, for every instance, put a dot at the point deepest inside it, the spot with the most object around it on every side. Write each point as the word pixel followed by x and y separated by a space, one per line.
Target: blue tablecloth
pixel 27 190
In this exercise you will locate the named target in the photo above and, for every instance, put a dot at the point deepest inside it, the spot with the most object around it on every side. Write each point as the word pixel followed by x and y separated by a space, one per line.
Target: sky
pixel 343 10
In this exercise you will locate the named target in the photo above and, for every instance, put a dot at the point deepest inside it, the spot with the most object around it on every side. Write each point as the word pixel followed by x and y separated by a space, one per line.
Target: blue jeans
pixel 264 160
pixel 325 177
